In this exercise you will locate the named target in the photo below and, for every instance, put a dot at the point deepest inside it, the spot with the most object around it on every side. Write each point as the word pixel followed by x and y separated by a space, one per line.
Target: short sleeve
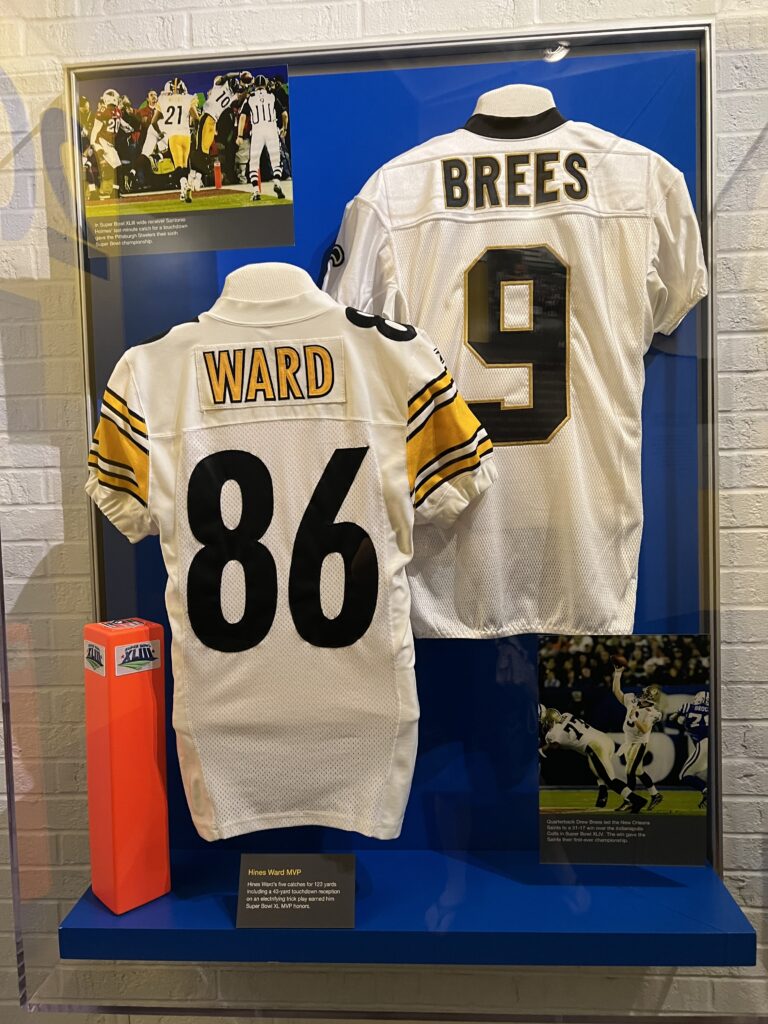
pixel 118 458
pixel 361 269
pixel 449 454
pixel 677 276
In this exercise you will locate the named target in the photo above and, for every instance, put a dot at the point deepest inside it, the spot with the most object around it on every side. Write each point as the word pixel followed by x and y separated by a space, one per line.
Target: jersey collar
pixel 515 127
pixel 288 309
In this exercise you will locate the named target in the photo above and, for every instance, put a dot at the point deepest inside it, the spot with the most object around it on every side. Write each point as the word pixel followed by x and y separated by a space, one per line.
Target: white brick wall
pixel 45 520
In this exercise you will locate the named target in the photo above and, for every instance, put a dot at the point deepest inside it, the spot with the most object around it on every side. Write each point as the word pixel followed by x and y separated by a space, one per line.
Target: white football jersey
pixel 174 110
pixel 573 734
pixel 541 255
pixel 220 96
pixel 281 449
pixel 637 715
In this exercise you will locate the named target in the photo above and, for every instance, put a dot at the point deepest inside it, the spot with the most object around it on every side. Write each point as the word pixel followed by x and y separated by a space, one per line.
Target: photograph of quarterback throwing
pixel 624 724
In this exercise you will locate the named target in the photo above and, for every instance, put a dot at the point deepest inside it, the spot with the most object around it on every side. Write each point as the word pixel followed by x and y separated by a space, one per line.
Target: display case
pixel 467 881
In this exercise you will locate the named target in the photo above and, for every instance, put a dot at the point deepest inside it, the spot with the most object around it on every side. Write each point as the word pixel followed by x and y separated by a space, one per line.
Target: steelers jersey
pixel 282 449
pixel 541 255
pixel 174 112
pixel 639 715
pixel 220 96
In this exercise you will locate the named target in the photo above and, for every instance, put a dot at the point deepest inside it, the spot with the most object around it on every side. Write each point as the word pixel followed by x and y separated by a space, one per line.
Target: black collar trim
pixel 515 127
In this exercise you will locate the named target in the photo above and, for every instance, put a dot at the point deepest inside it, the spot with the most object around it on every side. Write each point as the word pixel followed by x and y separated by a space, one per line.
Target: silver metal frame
pixel 352 58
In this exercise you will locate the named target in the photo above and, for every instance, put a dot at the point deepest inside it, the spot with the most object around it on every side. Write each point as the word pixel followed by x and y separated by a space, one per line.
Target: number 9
pixel 539 340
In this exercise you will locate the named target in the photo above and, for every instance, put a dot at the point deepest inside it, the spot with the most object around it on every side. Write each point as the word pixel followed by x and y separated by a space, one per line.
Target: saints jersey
pixel 541 255
pixel 573 734
pixel 639 716
pixel 174 112
pixel 282 450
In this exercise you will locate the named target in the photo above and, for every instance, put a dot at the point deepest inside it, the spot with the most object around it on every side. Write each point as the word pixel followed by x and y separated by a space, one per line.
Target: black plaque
pixel 303 890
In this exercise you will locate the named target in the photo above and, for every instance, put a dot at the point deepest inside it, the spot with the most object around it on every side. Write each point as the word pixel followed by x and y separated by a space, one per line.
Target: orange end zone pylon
pixel 125 743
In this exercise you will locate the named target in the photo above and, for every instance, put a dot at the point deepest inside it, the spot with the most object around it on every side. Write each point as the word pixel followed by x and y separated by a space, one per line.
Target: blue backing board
pixel 476 782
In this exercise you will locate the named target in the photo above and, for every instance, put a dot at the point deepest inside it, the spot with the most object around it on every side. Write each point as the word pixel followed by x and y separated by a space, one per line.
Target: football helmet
pixel 552 717
pixel 245 78
pixel 651 695
pixel 111 97
pixel 702 697
pixel 261 82
pixel 178 86
pixel 168 87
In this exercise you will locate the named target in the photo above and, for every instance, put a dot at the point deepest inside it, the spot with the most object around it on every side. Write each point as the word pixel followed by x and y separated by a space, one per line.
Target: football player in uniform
pixel 263 113
pixel 226 90
pixel 570 733
pixel 693 718
pixel 642 713
pixel 107 123
pixel 176 112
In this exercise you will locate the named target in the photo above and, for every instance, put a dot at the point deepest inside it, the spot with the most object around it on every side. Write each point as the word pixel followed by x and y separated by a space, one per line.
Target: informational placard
pixel 185 158
pixel 624 749
pixel 303 890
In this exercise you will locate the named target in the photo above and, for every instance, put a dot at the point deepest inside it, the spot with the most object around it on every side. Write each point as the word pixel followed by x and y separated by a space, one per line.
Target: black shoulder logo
pixel 336 257
pixel 388 328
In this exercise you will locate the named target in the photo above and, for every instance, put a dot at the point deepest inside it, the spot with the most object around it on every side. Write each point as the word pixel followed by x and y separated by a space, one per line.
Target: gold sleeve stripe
pixel 117 447
pixel 118 487
pixel 466 464
pixel 120 408
pixel 450 424
pixel 427 394
pixel 110 462
pixel 470 443
pixel 94 463
pixel 106 418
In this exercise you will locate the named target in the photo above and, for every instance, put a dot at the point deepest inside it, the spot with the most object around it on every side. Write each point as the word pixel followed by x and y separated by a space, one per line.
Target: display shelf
pixel 442 908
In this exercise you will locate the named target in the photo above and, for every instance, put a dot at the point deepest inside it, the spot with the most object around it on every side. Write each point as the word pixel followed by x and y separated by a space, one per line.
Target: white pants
pixel 152 142
pixel 109 153
pixel 603 750
pixel 698 761
pixel 261 136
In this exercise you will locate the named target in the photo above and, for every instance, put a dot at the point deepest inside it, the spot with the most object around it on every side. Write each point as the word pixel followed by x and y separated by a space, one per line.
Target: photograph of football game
pixel 623 735
pixel 180 141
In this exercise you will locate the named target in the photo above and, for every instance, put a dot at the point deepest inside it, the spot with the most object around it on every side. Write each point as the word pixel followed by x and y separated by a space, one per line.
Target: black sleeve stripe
pixel 426 421
pixel 112 462
pixel 472 469
pixel 117 476
pixel 125 433
pixel 447 451
pixel 120 399
pixel 125 490
pixel 426 387
pixel 125 419
pixel 436 395
pixel 445 465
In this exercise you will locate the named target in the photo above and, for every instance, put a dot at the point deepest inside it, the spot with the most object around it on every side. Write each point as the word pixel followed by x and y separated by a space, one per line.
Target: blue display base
pixel 439 908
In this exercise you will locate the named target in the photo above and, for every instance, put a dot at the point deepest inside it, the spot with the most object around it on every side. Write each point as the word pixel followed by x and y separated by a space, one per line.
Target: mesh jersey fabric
pixel 541 266
pixel 269 446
